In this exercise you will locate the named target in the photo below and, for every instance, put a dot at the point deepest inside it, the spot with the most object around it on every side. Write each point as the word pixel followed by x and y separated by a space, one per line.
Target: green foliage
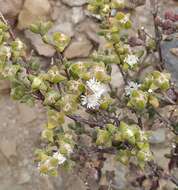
pixel 129 140
pixel 70 88
pixel 41 27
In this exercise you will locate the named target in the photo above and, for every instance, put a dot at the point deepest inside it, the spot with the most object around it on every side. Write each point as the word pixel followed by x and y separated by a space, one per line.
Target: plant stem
pixel 5 22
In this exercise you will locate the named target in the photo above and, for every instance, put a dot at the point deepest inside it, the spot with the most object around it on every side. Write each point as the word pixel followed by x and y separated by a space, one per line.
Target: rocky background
pixel 20 125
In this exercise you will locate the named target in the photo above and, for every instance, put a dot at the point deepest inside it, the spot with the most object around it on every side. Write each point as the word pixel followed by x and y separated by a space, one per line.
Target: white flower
pixel 68 147
pixel 96 87
pixel 91 101
pixel 20 44
pixel 130 87
pixel 47 164
pixel 131 60
pixel 7 51
pixel 61 159
pixel 120 1
pixel 150 90
pixel 125 19
pixel 67 107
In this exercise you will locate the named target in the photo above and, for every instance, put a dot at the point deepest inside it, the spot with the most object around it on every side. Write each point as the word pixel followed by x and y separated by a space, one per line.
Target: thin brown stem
pixel 158 35
pixel 6 22
pixel 169 123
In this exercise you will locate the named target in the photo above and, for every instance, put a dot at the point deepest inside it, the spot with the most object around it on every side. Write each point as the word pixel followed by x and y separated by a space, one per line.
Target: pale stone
pixel 10 8
pixel 33 10
pixel 90 28
pixel 132 4
pixel 117 79
pixel 73 3
pixel 4 86
pixel 63 27
pixel 77 14
pixel 158 136
pixel 8 147
pixel 26 113
pixel 79 48
pixel 41 47
pixel 120 171
pixel 24 177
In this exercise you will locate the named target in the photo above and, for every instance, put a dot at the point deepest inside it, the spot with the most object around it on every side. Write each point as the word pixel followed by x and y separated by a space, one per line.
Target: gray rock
pixel 10 8
pixel 64 27
pixel 72 182
pixel 158 136
pixel 90 28
pixel 33 10
pixel 86 140
pixel 4 86
pixel 41 47
pixel 159 152
pixel 119 169
pixel 23 177
pixel 77 14
pixel 170 59
pixel 73 3
pixel 132 4
pixel 117 79
pixel 61 13
pixel 8 147
pixel 79 48
pixel 26 113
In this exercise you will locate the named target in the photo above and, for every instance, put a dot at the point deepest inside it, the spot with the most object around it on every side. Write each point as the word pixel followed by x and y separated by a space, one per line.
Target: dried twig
pixel 158 35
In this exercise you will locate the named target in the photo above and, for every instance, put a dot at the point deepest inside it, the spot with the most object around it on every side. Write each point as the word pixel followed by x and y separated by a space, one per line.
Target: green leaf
pixel 103 138
pixel 61 41
pixel 48 134
pixel 51 97
pixel 18 92
pixel 123 156
pixel 54 75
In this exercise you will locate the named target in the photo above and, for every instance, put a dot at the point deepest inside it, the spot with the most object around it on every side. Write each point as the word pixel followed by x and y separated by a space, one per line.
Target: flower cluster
pixel 96 91
pixel 131 60
pixel 131 87
pixel 67 87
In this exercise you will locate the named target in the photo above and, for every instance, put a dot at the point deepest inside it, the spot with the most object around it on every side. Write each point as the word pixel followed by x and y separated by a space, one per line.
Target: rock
pixel 158 136
pixel 77 14
pixel 138 20
pixel 26 113
pixel 10 8
pixel 72 182
pixel 8 147
pixel 41 47
pixel 132 4
pixel 4 86
pixel 33 10
pixel 159 152
pixel 117 79
pixel 73 3
pixel 170 59
pixel 86 140
pixel 119 169
pixel 90 28
pixel 61 13
pixel 46 184
pixel 146 71
pixel 79 48
pixel 63 27
pixel 174 51
pixel 23 177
